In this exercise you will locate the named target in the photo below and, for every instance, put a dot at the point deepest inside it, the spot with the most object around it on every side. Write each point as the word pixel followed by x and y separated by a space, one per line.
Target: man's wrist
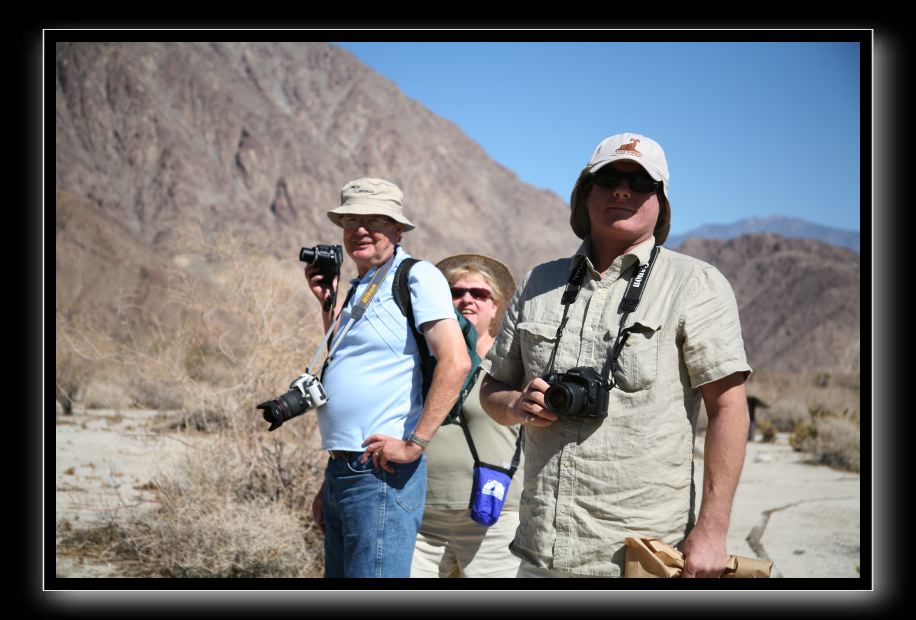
pixel 423 443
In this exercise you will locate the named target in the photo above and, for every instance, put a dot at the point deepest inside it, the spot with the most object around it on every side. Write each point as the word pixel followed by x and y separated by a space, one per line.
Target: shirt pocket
pixel 637 365
pixel 537 342
pixel 390 325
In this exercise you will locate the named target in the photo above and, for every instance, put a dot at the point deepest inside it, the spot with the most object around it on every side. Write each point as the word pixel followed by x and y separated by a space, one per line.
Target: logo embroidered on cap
pixel 629 148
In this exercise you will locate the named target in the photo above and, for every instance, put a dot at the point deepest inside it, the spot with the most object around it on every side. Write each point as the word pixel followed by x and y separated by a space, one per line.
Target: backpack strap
pixel 400 290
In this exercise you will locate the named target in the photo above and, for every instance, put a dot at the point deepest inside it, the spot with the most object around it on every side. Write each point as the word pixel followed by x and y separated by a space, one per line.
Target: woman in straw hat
pixel 450 543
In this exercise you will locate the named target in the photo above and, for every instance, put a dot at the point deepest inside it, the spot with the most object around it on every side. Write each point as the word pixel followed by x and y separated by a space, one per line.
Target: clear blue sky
pixel 749 129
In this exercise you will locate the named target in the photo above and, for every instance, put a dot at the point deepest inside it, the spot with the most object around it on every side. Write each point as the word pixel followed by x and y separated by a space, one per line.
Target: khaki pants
pixel 451 544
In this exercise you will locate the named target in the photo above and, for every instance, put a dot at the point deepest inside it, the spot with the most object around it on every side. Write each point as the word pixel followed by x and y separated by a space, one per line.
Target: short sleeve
pixel 504 361
pixel 713 344
pixel 429 294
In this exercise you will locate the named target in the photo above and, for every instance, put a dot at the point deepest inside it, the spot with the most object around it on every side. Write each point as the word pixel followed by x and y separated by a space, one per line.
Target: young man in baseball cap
pixel 605 357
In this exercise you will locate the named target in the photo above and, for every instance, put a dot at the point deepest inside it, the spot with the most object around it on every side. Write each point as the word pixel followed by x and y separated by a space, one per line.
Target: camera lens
pixel 292 404
pixel 565 398
pixel 307 255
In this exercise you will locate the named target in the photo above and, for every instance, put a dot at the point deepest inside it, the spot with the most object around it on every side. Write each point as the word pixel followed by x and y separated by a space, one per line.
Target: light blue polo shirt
pixel 374 381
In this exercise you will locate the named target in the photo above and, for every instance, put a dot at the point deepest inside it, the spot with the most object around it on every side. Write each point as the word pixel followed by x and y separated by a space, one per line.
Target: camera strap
pixel 357 313
pixel 628 304
pixel 573 286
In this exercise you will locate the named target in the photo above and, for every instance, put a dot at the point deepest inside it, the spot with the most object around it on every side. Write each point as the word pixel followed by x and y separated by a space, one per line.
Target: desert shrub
pixel 832 438
pixel 81 352
pixel 242 507
pixel 802 437
pixel 767 431
pixel 784 414
pixel 837 443
pixel 223 515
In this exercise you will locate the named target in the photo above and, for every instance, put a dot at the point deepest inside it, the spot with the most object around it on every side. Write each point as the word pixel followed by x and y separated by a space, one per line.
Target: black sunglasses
pixel 480 294
pixel 638 181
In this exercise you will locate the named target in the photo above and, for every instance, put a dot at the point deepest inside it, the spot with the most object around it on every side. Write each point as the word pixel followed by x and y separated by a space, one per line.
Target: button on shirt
pixel 589 483
pixel 374 380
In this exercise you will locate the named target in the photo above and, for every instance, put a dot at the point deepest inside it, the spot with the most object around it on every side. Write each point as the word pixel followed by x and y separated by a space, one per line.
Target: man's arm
pixel 726 438
pixel 446 343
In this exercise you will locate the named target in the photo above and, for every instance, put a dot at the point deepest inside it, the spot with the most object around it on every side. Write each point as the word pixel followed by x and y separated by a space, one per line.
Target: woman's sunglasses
pixel 638 181
pixel 480 294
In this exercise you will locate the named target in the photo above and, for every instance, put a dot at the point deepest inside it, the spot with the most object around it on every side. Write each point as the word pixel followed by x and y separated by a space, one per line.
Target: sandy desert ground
pixel 804 517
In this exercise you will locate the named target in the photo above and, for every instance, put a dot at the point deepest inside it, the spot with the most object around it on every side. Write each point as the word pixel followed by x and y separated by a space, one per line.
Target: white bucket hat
pixel 370 196
pixel 622 147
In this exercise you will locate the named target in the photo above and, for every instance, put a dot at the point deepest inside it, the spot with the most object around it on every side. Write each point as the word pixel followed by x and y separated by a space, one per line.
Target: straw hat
pixel 497 271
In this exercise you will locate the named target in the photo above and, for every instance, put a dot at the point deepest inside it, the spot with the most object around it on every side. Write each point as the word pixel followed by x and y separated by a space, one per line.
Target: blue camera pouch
pixel 491 486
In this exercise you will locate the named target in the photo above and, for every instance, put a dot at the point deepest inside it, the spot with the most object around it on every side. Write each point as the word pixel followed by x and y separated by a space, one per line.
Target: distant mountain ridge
pixel 799 300
pixel 792 227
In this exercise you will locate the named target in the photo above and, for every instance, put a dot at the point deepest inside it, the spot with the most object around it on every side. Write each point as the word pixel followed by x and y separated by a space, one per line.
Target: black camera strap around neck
pixel 628 304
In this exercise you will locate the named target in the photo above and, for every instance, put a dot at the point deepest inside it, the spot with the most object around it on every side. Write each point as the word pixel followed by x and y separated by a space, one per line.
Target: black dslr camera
pixel 328 259
pixel 304 393
pixel 579 392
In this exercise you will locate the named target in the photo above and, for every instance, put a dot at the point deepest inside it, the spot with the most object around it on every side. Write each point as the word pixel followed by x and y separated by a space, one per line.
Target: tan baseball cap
pixel 369 196
pixel 622 147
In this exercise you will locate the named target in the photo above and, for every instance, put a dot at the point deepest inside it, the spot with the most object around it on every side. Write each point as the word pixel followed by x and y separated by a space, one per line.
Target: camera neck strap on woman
pixel 628 304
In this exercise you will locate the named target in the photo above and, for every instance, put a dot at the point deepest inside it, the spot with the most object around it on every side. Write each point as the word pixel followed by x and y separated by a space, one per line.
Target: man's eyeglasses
pixel 638 181
pixel 480 294
pixel 373 223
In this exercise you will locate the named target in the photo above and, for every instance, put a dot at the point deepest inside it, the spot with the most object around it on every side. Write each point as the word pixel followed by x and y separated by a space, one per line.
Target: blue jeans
pixel 371 517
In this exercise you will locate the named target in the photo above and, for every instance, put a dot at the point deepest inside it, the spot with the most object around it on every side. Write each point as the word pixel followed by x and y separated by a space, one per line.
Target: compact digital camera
pixel 579 392
pixel 328 259
pixel 305 393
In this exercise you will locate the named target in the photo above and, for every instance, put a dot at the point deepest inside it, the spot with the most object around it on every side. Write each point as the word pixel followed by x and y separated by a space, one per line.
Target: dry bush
pixel 767 430
pixel 784 414
pixel 223 515
pixel 832 438
pixel 82 352
pixel 241 508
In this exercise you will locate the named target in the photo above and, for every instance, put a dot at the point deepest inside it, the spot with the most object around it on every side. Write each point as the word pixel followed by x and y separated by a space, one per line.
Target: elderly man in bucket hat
pixel 604 358
pixel 376 423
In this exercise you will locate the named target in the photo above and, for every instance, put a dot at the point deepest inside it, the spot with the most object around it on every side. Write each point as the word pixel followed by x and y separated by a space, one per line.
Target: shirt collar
pixel 639 254
pixel 399 255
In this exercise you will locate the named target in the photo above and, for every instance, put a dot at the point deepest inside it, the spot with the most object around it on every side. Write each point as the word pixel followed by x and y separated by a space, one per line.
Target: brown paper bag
pixel 650 557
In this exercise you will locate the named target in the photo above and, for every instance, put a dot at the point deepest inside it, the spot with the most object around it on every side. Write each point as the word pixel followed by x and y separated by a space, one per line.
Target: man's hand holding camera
pixel 322 291
pixel 529 408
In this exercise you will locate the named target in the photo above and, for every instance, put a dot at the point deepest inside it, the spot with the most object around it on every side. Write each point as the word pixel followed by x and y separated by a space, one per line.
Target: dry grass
pixel 242 507
pixel 224 516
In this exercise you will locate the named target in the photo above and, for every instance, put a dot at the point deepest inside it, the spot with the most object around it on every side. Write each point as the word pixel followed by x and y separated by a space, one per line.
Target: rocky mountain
pixel 778 225
pixel 256 140
pixel 165 150
pixel 799 300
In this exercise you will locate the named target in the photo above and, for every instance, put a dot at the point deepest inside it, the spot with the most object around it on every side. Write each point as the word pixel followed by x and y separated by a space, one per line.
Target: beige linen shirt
pixel 589 483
